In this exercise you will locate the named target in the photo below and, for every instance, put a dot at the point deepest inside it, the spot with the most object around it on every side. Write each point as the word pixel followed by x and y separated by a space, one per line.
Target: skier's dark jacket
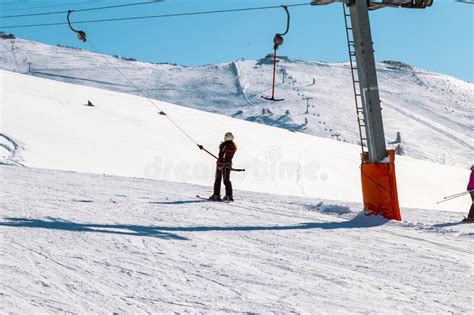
pixel 226 153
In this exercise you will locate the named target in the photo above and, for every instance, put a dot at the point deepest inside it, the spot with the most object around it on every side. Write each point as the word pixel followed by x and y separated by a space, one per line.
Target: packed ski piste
pixel 245 186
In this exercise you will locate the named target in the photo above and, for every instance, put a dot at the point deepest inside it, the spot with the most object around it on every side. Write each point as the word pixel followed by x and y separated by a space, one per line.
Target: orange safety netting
pixel 379 188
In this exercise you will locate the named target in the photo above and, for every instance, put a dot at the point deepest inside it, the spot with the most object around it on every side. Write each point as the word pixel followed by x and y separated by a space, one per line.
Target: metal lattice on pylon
pixel 355 79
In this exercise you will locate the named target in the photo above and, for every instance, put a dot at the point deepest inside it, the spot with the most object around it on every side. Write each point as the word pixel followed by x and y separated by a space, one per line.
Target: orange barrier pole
pixel 379 188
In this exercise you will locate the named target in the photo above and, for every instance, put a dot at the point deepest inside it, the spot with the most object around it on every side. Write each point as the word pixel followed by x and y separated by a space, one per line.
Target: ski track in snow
pixel 9 145
pixel 66 247
pixel 240 87
pixel 47 75
pixel 430 125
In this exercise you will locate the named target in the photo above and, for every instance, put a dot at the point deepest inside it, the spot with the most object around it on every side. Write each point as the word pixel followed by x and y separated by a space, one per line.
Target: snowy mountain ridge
pixel 433 113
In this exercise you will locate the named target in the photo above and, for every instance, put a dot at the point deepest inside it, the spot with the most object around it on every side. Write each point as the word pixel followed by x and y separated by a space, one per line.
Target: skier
pixel 224 167
pixel 470 188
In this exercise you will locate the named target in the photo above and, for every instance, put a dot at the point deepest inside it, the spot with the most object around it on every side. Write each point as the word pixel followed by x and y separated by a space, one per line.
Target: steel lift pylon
pixel 379 187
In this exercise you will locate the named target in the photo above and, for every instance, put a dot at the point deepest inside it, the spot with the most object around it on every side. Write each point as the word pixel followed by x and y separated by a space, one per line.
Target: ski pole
pixel 451 198
pixel 448 198
pixel 238 169
pixel 455 195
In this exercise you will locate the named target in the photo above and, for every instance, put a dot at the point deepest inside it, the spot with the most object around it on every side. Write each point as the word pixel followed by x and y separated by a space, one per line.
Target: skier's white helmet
pixel 228 136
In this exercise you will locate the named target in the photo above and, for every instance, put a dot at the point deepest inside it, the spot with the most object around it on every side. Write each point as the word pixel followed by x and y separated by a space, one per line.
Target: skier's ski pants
pixel 223 174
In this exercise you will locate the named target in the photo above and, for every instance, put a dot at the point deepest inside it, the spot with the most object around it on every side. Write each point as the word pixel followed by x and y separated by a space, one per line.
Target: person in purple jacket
pixel 470 188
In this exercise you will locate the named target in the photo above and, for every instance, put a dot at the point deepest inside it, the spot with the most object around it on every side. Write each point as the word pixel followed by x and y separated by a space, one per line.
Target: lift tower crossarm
pixel 377 4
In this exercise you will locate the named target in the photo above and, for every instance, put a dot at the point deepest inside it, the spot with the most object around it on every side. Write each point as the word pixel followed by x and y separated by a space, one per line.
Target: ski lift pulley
pixel 277 42
pixel 81 35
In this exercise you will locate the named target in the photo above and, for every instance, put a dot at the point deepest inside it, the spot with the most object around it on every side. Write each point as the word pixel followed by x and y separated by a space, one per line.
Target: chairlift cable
pixel 155 16
pixel 81 10
pixel 48 6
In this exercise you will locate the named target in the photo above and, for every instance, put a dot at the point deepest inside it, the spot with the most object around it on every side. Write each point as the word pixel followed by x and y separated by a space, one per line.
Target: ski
pixel 468 220
pixel 204 198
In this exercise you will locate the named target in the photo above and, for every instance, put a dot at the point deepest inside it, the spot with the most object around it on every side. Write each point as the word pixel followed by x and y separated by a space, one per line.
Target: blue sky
pixel 439 38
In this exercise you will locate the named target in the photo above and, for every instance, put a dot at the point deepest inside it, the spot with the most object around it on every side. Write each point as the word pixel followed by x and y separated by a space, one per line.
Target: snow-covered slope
pixel 434 113
pixel 88 244
pixel 92 243
pixel 124 135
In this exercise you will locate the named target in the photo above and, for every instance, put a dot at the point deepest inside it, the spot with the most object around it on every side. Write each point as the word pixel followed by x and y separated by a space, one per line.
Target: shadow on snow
pixel 167 232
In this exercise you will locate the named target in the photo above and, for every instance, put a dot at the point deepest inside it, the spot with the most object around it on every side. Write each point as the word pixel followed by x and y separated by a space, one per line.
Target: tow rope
pixel 81 35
